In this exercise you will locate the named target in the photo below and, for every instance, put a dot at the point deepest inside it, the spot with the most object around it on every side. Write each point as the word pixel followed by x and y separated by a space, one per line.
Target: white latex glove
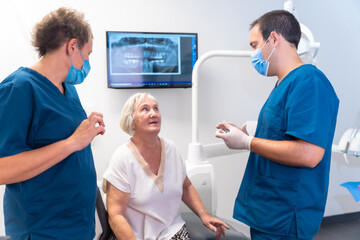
pixel 235 138
pixel 243 128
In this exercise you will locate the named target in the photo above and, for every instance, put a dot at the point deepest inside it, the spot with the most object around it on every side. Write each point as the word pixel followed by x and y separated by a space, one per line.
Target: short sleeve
pixel 310 110
pixel 117 173
pixel 16 107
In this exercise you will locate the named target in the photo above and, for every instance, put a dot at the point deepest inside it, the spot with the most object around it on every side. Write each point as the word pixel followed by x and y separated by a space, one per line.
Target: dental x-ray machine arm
pixel 195 151
pixel 199 170
pixel 308 48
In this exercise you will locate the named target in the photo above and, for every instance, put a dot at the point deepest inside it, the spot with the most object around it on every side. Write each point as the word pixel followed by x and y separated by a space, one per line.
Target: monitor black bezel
pixel 146 86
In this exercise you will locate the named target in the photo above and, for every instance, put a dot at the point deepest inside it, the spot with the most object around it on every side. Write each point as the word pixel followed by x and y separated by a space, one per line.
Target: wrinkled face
pixel 147 117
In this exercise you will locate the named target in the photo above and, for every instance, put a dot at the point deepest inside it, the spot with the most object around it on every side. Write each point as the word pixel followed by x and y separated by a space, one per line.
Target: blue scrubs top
pixel 60 202
pixel 304 105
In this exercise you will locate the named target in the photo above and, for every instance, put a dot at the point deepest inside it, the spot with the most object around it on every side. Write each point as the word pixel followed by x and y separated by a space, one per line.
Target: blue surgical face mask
pixel 258 61
pixel 77 76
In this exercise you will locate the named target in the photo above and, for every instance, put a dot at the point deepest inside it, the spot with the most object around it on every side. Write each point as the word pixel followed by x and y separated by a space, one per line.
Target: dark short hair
pixel 282 22
pixel 58 27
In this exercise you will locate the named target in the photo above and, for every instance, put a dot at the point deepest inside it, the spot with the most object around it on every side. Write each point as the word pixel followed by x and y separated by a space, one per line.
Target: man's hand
pixel 233 136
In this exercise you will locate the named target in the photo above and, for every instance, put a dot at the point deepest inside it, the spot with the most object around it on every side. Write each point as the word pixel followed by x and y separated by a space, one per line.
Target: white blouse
pixel 153 208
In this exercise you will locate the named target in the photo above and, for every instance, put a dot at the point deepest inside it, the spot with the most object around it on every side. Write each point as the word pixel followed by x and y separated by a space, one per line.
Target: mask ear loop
pixel 70 55
pixel 80 51
pixel 267 40
pixel 270 55
pixel 71 61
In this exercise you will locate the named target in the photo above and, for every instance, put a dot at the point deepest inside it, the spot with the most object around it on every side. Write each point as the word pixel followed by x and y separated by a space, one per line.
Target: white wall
pixel 229 89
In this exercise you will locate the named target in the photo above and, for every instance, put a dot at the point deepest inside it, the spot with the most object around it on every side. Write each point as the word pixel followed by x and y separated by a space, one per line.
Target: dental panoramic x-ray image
pixel 147 55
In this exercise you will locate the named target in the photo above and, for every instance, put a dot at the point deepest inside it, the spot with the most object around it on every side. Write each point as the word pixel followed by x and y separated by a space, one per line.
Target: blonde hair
pixel 127 113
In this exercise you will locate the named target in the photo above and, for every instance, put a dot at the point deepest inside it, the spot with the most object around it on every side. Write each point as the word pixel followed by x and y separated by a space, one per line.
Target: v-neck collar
pixel 49 83
pixel 159 178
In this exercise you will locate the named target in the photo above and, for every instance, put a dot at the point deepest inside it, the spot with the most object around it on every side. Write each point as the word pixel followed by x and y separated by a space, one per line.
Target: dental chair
pixel 103 229
pixel 197 230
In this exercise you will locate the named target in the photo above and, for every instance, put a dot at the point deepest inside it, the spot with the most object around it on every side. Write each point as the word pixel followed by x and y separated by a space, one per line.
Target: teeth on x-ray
pixel 146 55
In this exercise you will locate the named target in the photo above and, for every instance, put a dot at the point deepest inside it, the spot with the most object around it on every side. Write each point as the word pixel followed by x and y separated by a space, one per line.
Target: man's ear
pixel 274 38
pixel 71 46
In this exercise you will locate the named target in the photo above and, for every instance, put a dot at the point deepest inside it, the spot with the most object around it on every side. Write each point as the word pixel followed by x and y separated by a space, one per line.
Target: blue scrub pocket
pixel 273 122
pixel 273 201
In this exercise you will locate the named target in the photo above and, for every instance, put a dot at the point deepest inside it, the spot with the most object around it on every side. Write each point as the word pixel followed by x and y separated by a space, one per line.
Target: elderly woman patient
pixel 146 180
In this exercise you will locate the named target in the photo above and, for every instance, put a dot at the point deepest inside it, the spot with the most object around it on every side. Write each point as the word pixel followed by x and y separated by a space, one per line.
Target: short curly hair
pixel 58 27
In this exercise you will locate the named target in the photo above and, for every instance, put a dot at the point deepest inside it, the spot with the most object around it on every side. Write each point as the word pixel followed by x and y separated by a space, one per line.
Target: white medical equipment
pixel 307 48
pixel 349 143
pixel 199 170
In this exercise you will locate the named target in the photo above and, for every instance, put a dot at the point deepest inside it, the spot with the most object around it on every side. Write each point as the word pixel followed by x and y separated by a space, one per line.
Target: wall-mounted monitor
pixel 150 59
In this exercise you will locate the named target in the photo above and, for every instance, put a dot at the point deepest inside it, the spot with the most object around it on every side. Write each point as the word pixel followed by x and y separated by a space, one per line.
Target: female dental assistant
pixel 45 156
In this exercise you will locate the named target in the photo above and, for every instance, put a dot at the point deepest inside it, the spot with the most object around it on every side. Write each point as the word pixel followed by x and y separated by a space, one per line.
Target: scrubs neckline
pixel 50 82
pixel 290 73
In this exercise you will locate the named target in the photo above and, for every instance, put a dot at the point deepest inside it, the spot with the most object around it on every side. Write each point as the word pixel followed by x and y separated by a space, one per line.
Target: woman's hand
pixel 214 224
pixel 87 131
